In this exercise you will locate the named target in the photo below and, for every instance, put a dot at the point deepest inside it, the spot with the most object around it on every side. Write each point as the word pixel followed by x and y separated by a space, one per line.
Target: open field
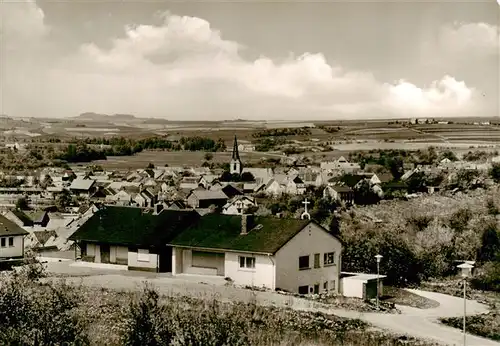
pixel 176 158
pixel 353 135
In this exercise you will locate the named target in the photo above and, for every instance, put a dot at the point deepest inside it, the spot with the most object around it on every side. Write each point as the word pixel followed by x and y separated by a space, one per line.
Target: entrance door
pixel 165 260
pixel 104 253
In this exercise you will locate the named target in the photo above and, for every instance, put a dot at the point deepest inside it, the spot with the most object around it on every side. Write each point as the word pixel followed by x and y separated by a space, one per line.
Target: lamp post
pixel 378 257
pixel 466 269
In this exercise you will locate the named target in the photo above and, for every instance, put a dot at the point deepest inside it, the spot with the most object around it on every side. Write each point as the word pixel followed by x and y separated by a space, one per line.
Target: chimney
pixel 246 223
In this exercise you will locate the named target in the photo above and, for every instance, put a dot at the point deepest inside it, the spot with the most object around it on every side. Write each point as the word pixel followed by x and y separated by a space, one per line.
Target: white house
pixel 288 254
pixel 11 240
pixel 238 204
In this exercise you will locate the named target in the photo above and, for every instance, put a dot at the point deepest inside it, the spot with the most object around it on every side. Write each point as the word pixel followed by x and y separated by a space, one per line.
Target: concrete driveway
pixel 420 323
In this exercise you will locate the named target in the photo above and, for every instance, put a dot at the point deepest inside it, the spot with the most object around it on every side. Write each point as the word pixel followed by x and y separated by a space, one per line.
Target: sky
pixel 255 60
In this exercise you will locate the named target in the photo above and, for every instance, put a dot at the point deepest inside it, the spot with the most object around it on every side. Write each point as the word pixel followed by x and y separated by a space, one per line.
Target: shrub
pixel 145 321
pixel 489 279
pixel 460 219
pixel 34 314
pixel 32 269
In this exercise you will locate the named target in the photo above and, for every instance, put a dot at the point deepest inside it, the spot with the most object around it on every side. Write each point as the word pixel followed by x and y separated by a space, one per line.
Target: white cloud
pixel 470 37
pixel 185 68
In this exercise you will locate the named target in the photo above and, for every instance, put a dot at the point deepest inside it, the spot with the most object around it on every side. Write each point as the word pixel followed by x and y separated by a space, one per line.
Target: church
pixel 235 166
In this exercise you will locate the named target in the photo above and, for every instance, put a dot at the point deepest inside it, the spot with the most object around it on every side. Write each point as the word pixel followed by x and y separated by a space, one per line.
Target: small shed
pixel 360 285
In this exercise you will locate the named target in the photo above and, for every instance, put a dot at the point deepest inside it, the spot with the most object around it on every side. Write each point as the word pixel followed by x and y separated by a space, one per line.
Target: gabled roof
pixel 81 184
pixel 219 231
pixel 22 216
pixel 340 188
pixel 132 226
pixel 9 228
pixel 37 216
pixel 208 194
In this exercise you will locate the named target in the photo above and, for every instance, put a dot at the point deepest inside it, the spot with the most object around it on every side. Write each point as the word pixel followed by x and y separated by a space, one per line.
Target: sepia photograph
pixel 249 172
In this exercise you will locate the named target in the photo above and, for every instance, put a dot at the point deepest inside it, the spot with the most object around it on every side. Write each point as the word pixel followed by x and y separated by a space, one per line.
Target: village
pixel 200 221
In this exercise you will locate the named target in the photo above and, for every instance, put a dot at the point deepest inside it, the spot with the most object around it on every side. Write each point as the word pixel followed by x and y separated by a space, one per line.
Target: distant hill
pixel 90 116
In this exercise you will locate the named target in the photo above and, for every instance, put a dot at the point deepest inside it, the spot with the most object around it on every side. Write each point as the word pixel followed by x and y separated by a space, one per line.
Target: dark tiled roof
pixel 43 236
pixel 218 231
pixel 37 216
pixel 342 188
pixel 21 215
pixel 8 228
pixel 133 226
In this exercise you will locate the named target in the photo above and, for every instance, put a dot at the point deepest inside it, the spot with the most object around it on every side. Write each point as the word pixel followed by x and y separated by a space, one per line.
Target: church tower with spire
pixel 235 166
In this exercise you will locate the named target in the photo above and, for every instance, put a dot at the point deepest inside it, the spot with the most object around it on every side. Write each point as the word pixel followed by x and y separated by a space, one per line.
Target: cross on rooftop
pixel 305 203
pixel 305 214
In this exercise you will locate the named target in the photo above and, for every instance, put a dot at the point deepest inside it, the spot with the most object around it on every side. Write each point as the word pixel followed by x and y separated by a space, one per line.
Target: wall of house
pixel 200 263
pixel 262 276
pixel 13 251
pixel 352 287
pixel 311 240
pixel 177 261
pixel 135 263
pixel 201 260
pixel 118 255
pixel 93 253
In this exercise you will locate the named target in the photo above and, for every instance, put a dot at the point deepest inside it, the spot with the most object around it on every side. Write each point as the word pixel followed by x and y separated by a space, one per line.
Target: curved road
pixel 419 323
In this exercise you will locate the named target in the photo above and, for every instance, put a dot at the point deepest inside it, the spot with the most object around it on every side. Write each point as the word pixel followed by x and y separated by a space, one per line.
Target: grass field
pixel 175 158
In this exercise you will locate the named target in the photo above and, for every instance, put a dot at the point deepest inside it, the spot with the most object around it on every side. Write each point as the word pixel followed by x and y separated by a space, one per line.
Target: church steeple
pixel 236 153
pixel 235 167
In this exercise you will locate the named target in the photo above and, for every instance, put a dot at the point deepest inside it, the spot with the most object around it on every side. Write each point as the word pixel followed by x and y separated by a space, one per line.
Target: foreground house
pixel 11 240
pixel 289 254
pixel 131 237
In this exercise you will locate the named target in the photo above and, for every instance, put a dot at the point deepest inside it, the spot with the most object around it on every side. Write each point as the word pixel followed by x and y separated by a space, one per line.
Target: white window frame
pixel 11 240
pixel 143 255
pixel 246 262
pixel 326 259
pixel 3 242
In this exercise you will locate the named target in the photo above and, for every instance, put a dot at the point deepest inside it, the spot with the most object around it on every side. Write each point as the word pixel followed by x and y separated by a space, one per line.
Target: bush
pixel 32 268
pixel 34 314
pixel 145 321
pixel 489 279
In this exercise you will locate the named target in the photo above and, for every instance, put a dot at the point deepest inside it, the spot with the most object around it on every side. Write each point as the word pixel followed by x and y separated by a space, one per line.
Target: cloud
pixel 479 38
pixel 184 69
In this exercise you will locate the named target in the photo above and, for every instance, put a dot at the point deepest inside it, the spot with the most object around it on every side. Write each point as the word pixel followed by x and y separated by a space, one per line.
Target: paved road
pixel 420 323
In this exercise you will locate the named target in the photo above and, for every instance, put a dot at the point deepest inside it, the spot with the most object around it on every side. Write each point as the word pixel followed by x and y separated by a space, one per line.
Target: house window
pixel 303 289
pixel 11 241
pixel 142 255
pixel 316 260
pixel 247 262
pixel 329 258
pixel 332 285
pixel 325 286
pixel 2 242
pixel 304 262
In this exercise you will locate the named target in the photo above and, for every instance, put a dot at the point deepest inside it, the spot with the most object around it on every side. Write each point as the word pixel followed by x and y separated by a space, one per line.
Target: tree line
pixel 120 146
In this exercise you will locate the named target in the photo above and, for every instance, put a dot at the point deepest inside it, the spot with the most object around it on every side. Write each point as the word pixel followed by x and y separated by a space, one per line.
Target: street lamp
pixel 466 271
pixel 378 257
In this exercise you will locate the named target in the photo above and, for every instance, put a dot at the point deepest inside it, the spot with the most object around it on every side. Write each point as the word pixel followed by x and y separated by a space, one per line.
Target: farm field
pixel 368 145
pixel 176 158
